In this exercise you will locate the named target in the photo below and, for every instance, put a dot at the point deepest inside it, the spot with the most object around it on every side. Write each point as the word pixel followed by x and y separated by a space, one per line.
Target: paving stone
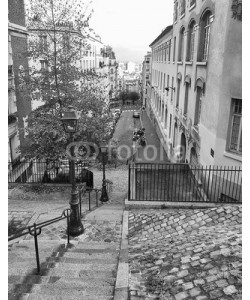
pixel 230 290
pixel 188 285
pixel 201 298
pixel 194 292
pixel 182 295
pixel 215 294
pixel 182 273
pixel 199 281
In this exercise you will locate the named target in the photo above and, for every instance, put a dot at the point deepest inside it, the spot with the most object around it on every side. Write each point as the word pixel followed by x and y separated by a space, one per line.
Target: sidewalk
pixel 153 152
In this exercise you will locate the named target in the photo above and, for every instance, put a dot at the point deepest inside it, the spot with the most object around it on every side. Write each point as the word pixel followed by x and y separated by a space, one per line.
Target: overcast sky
pixel 129 26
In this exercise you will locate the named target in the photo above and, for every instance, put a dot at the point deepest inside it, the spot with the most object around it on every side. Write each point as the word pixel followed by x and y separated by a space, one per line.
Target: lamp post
pixel 104 195
pixel 70 122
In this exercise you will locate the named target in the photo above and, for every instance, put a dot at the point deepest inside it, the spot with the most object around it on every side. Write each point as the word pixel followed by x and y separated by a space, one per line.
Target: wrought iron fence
pixel 48 171
pixel 184 183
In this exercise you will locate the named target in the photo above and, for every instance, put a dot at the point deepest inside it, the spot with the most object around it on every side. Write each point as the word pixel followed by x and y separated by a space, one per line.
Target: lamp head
pixel 70 120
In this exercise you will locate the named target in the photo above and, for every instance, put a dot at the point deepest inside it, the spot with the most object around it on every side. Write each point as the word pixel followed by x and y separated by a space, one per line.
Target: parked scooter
pixel 138 134
pixel 142 141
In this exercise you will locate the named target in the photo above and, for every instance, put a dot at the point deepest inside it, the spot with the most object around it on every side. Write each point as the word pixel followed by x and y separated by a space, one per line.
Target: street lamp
pixel 70 123
pixel 104 195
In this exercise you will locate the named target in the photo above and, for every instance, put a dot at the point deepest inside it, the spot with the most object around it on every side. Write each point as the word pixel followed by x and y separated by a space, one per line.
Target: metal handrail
pixel 36 230
pixel 88 190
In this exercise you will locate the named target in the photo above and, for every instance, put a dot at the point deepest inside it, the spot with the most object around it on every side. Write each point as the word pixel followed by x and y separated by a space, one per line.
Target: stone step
pixel 73 260
pixel 68 292
pixel 44 245
pixel 88 277
pixel 26 296
pixel 64 256
pixel 61 283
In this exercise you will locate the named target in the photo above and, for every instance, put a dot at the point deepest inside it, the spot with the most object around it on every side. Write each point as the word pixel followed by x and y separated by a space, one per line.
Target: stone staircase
pixel 84 269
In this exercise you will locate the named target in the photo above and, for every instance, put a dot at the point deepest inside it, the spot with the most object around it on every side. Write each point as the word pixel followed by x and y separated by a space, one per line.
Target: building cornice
pixel 17 28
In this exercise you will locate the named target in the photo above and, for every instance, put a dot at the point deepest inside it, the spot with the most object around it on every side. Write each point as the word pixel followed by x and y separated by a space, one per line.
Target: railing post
pixel 68 216
pixel 89 202
pixel 80 201
pixel 36 245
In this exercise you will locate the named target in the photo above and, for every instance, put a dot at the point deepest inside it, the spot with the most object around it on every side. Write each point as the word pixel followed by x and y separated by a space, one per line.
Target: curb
pixel 121 285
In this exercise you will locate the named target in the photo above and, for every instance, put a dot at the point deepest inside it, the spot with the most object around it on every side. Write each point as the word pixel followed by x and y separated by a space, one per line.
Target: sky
pixel 129 26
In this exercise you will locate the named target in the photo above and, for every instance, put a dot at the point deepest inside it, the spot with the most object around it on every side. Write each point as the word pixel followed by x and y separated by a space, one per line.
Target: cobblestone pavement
pixel 25 206
pixel 185 254
pixel 118 176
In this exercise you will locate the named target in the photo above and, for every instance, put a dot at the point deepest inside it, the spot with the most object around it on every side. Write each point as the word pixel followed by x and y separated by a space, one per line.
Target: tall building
pixel 19 106
pixel 205 78
pixel 113 74
pixel 146 85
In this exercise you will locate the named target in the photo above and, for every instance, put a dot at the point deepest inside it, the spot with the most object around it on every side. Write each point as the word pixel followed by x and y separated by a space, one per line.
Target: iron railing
pixel 90 192
pixel 49 171
pixel 184 183
pixel 36 229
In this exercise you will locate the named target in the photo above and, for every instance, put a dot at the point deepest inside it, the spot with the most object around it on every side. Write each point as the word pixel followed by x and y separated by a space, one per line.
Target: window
pixel 111 71
pixel 172 85
pixel 166 118
pixel 197 106
pixel 175 134
pixel 183 6
pixel 178 92
pixel 44 65
pixel 181 44
pixel 164 79
pixel 192 3
pixel 169 50
pixel 190 48
pixel 162 111
pixel 170 123
pixel 186 98
pixel 235 143
pixel 167 83
pixel 10 70
pixel 174 49
pixel 204 36
pixel 43 42
pixel 175 11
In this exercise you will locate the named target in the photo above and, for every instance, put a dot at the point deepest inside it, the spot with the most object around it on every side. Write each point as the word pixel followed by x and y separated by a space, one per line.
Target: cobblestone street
pixel 185 254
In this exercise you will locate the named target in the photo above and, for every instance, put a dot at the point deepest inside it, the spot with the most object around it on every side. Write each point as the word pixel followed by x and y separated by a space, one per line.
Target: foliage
pixel 55 80
pixel 134 96
pixel 123 96
pixel 237 9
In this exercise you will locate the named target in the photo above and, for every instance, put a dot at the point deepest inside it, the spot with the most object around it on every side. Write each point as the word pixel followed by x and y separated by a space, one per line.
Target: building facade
pixel 163 74
pixel 146 71
pixel 18 106
pixel 205 80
